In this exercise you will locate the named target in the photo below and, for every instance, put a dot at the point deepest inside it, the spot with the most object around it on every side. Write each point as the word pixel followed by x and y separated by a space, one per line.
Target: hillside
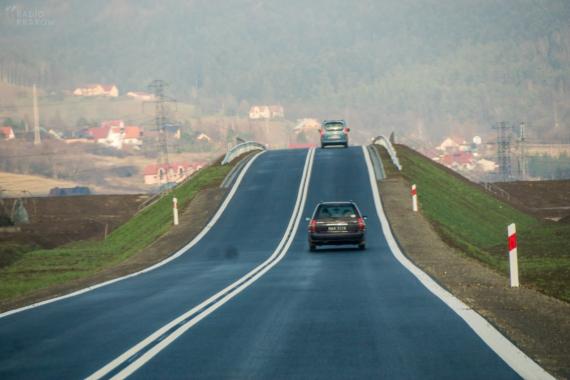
pixel 468 217
pixel 428 68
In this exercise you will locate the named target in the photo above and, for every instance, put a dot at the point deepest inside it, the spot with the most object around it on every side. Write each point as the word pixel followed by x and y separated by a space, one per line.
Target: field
pixel 475 221
pixel 22 185
pixel 56 221
pixel 545 199
pixel 45 267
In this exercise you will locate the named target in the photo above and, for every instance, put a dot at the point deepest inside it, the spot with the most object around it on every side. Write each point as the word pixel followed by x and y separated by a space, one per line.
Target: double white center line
pixel 134 358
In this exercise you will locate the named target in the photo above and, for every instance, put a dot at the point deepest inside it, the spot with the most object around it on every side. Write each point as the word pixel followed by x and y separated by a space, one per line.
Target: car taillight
pixel 322 132
pixel 313 225
pixel 361 224
pixel 345 130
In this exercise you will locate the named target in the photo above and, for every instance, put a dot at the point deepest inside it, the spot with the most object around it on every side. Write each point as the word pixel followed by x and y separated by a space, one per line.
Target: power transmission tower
pixel 523 164
pixel 157 88
pixel 161 121
pixel 504 150
pixel 37 136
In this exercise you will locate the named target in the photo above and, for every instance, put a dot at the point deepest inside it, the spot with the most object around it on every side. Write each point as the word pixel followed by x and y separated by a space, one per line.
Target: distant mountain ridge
pixel 423 68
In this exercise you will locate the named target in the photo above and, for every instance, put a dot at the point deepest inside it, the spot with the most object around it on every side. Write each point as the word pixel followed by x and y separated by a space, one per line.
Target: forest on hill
pixel 422 68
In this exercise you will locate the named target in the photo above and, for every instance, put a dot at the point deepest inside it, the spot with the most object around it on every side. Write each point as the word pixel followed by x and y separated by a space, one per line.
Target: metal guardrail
pixel 376 163
pixel 383 141
pixel 240 149
pixel 496 190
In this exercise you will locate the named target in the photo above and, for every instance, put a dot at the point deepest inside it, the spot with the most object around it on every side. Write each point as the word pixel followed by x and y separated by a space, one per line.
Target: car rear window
pixel 334 126
pixel 337 211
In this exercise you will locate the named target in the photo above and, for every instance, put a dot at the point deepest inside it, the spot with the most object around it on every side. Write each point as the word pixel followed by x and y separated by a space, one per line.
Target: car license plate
pixel 336 228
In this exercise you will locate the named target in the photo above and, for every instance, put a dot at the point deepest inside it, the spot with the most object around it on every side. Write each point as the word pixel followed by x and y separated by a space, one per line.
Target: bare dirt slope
pixel 537 324
pixel 192 221
pixel 546 199
pixel 55 221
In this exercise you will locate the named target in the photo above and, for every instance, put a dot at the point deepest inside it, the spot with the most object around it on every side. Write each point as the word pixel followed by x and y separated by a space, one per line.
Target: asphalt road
pixel 336 313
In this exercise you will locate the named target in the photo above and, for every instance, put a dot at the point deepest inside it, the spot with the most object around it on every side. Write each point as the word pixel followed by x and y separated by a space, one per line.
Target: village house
pixel 7 133
pixel 107 135
pixel 144 96
pixel 97 90
pixel 158 174
pixel 266 112
pixel 449 145
pixel 114 133
pixel 458 161
pixel 132 136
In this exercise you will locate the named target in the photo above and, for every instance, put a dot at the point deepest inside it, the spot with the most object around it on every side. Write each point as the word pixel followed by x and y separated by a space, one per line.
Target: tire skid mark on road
pixel 134 358
pixel 504 348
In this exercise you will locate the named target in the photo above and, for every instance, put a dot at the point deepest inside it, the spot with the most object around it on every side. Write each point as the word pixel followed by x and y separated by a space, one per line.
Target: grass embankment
pixel 42 268
pixel 471 219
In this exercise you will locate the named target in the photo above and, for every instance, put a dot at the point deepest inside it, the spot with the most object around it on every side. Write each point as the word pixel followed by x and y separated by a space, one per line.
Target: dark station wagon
pixel 337 223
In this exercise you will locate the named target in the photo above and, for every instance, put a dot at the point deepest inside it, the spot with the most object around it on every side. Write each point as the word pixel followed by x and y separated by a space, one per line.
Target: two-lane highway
pixel 335 313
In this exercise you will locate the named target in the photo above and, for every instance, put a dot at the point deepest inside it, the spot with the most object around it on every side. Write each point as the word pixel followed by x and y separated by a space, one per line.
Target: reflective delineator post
pixel 175 210
pixel 513 259
pixel 414 198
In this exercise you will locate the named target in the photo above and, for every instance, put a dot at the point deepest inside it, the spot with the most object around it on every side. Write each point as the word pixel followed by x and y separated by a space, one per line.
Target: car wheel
pixel 362 246
pixel 312 247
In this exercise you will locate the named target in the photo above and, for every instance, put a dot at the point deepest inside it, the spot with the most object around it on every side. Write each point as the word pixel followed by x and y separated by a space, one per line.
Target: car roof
pixel 336 203
pixel 333 121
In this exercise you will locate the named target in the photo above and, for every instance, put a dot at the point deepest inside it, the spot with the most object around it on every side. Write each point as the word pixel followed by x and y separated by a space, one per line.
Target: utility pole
pixel 37 137
pixel 504 150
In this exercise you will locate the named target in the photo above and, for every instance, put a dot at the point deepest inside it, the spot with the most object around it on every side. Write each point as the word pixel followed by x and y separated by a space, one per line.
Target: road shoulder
pixel 537 324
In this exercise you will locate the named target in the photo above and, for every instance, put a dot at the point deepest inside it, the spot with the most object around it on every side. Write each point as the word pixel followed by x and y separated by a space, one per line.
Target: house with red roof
pixel 97 89
pixel 132 135
pixel 7 133
pixel 110 132
pixel 158 174
pixel 458 160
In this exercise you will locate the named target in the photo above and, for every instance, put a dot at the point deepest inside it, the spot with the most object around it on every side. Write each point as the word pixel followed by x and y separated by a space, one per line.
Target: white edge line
pixel 505 349
pixel 234 289
pixel 179 253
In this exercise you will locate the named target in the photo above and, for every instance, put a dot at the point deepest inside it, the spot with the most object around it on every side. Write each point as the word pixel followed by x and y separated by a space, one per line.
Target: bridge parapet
pixel 240 149
pixel 383 141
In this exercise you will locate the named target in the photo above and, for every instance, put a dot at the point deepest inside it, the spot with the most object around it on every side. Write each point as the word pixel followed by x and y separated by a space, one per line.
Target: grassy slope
pixel 476 222
pixel 42 268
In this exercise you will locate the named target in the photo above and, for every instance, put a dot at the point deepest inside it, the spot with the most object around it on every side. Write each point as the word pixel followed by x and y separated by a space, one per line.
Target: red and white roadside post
pixel 513 259
pixel 414 193
pixel 175 210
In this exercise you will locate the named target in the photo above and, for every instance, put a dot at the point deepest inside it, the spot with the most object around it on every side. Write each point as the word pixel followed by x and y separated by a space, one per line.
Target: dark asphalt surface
pixel 73 338
pixel 336 313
